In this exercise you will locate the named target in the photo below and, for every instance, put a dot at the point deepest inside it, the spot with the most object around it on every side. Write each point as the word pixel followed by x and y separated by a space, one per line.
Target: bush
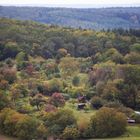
pixel 4 100
pixel 84 128
pixel 57 121
pixel 8 119
pixel 19 125
pixel 26 128
pixel 96 102
pixel 136 117
pixel 120 108
pixel 55 85
pixel 70 133
pixel 108 123
pixel 50 108
pixel 76 81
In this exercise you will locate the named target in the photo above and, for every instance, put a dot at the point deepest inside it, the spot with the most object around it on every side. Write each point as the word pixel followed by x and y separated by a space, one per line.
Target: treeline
pixel 47 41
pixel 92 18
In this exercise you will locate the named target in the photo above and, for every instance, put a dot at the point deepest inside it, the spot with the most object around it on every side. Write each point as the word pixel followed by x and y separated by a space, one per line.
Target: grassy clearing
pixel 80 114
pixel 133 133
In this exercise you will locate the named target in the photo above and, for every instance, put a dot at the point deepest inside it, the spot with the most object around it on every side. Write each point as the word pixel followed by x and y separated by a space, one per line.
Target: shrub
pixel 55 85
pixel 50 108
pixel 136 117
pixel 76 81
pixel 96 102
pixel 57 121
pixel 20 125
pixel 120 108
pixel 8 120
pixel 108 123
pixel 26 128
pixel 70 133
pixel 4 100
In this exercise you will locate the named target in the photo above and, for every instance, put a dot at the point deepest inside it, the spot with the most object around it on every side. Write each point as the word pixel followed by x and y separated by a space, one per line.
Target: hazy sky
pixel 70 2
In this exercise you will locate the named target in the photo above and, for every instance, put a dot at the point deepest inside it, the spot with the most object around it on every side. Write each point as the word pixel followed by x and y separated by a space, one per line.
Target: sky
pixel 72 3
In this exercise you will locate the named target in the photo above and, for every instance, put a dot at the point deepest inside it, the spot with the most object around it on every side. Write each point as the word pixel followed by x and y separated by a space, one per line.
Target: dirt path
pixel 6 138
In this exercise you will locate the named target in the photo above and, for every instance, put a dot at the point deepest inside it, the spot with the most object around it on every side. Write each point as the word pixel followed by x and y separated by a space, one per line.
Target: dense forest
pixel 85 18
pixel 67 83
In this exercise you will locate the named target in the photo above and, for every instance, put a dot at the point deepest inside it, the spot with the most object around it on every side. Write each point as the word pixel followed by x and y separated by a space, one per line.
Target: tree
pixel 26 128
pixel 4 100
pixel 76 81
pixel 7 122
pixel 110 91
pixel 71 133
pixel 57 100
pixel 11 49
pixel 37 100
pixel 135 47
pixel 68 66
pixel 10 121
pixel 96 102
pixel 132 58
pixel 108 123
pixel 57 121
pixel 4 84
pixel 129 88
pixel 8 74
pixel 61 53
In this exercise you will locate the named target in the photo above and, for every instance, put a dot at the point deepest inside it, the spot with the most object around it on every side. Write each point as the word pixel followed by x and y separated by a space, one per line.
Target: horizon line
pixel 73 5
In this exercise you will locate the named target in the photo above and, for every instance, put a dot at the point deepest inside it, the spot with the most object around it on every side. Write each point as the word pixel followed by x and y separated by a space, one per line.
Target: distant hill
pixel 85 18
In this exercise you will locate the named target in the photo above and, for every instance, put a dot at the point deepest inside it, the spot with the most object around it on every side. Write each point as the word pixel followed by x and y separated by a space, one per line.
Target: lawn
pixel 80 114
pixel 133 133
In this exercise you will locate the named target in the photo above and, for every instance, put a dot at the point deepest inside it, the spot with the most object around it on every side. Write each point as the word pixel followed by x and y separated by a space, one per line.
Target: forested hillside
pixel 68 83
pixel 84 18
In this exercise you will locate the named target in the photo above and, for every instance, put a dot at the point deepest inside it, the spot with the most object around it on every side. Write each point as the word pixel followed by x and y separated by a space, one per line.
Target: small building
pixel 131 121
pixel 81 106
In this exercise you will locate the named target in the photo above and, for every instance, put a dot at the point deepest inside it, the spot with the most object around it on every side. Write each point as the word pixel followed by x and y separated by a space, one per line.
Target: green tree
pixel 108 123
pixel 75 80
pixel 57 121
pixel 68 66
pixel 26 128
pixel 4 100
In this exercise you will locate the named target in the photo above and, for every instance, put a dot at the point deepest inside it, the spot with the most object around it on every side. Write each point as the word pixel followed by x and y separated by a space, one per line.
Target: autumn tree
pixel 4 100
pixel 57 100
pixel 57 121
pixel 68 66
pixel 108 123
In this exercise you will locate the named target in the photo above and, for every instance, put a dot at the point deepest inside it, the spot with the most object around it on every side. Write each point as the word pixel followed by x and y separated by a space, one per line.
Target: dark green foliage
pixel 30 38
pixel 4 100
pixel 76 81
pixel 56 122
pixel 96 102
pixel 136 117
